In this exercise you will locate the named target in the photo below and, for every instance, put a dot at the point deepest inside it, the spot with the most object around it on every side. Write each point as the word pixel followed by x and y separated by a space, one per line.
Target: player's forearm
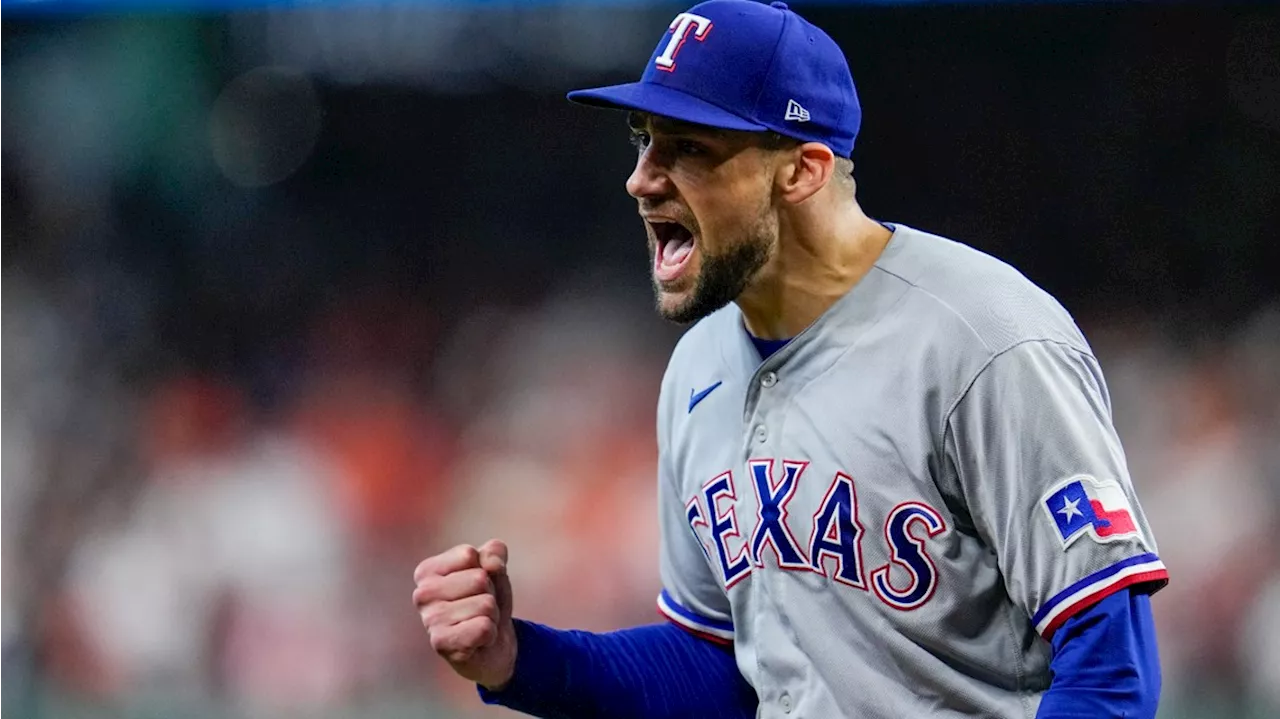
pixel 649 672
pixel 1105 662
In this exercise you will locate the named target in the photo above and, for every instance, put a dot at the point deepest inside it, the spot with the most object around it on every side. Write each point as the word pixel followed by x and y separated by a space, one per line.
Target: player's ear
pixel 806 170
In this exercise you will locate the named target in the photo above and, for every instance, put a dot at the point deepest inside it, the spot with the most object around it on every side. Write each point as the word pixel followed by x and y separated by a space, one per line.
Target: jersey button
pixel 769 379
pixel 785 701
pixel 762 434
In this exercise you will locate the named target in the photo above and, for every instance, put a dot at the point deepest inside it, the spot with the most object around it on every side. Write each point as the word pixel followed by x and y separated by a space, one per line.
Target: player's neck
pixel 819 260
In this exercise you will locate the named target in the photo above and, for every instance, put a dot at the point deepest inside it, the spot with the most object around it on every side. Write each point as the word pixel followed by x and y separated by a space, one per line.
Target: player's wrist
pixel 535 667
pixel 506 652
pixel 497 686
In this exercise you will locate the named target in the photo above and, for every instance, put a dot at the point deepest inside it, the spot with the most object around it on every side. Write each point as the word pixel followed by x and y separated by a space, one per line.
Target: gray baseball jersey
pixel 891 515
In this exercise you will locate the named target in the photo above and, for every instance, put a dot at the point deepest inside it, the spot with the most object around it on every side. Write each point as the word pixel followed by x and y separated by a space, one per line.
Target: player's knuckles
pixel 466 555
pixel 423 570
pixel 478 632
pixel 442 614
pixel 468 583
pixel 432 615
pixel 463 556
pixel 486 605
pixel 427 591
pixel 493 555
pixel 464 638
pixel 445 641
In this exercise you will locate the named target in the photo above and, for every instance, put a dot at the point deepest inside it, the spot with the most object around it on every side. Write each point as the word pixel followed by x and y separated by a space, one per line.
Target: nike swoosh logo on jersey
pixel 696 397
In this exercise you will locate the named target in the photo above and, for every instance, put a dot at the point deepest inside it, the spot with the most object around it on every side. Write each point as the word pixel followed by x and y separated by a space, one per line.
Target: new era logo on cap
pixel 795 111
pixel 1084 505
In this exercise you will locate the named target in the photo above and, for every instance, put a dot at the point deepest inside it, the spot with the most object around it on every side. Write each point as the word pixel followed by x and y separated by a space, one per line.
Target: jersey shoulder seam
pixel 964 391
pixel 952 310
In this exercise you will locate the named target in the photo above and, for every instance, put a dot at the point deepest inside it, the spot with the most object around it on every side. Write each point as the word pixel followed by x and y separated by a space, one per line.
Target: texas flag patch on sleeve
pixel 1084 505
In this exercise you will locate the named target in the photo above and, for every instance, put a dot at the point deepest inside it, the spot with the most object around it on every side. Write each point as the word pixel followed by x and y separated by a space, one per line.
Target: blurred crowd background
pixel 293 298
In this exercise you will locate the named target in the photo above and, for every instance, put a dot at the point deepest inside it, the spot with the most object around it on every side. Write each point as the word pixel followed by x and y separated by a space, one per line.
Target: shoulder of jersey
pixel 998 305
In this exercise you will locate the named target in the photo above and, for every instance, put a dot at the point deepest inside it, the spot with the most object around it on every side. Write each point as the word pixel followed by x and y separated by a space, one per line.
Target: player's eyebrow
pixel 640 121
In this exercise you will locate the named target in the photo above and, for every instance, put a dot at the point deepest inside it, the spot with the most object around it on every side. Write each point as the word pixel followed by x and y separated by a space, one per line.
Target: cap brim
pixel 665 101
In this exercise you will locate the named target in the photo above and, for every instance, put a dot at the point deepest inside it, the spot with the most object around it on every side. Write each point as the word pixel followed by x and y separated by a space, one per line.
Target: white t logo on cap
pixel 679 32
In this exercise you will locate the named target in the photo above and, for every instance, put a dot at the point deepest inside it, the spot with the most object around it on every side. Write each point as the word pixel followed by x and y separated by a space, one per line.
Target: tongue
pixel 675 251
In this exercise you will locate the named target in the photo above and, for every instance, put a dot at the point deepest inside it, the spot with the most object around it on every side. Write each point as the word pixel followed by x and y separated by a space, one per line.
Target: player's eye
pixel 689 147
pixel 640 140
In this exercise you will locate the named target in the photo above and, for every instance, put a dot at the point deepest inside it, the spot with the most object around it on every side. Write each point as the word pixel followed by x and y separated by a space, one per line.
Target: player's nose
pixel 647 180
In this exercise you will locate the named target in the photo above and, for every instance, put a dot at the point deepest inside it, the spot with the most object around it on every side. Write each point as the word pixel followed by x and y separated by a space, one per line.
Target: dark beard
pixel 722 279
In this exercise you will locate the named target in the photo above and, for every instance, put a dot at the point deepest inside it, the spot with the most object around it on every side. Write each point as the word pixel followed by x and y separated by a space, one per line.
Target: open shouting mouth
pixel 674 248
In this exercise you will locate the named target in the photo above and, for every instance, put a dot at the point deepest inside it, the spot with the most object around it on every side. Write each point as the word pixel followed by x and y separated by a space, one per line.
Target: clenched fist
pixel 463 596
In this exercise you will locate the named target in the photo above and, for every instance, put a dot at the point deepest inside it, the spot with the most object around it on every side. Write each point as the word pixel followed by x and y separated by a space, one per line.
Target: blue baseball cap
pixel 744 65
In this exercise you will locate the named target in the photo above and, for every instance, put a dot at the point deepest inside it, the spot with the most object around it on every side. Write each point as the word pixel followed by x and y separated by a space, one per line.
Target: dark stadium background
pixel 294 297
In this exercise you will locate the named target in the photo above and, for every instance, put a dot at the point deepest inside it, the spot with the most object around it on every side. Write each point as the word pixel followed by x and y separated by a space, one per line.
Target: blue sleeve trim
pixel 686 617
pixel 1142 569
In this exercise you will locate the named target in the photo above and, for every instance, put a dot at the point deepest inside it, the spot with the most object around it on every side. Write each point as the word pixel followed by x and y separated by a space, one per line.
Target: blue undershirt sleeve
pixel 656 671
pixel 1105 662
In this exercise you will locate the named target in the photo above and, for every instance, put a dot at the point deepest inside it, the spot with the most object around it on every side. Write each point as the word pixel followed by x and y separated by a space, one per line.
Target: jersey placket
pixel 779 667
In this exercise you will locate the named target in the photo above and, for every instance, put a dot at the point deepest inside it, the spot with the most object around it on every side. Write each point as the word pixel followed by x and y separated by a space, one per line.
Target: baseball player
pixel 889 484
